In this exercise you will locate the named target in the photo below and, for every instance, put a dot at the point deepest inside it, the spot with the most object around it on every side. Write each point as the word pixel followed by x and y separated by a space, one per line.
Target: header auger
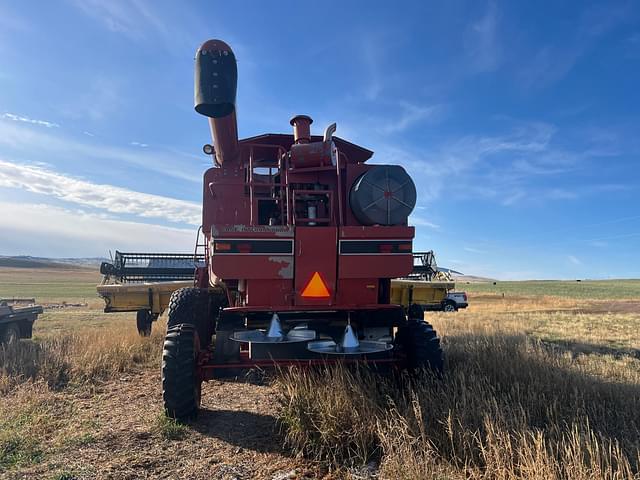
pixel 303 238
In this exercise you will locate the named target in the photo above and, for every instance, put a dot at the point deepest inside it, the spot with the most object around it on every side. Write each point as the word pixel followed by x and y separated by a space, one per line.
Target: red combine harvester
pixel 303 238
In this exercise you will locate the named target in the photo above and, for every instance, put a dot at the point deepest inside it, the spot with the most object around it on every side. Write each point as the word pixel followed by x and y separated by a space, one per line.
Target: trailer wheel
pixel 420 344
pixel 11 334
pixel 181 385
pixel 144 322
pixel 191 305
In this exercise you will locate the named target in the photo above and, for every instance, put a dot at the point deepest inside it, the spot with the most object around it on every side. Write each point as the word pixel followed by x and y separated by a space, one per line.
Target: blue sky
pixel 519 122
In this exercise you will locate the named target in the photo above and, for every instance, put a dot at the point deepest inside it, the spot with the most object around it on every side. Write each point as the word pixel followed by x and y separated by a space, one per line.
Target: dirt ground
pixel 234 437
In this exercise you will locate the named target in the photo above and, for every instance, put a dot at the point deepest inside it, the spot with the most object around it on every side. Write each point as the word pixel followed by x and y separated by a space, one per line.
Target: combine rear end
pixel 303 238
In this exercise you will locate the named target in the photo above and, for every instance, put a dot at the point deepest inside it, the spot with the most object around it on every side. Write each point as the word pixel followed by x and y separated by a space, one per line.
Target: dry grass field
pixel 541 383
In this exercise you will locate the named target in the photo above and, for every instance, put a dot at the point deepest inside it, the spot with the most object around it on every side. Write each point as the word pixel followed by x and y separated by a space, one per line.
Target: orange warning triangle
pixel 316 288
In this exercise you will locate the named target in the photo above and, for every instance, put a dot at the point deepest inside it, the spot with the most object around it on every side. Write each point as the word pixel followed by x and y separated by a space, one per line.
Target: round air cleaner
pixel 383 195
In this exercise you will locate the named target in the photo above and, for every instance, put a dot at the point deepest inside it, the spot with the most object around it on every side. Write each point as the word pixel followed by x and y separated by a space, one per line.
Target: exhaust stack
pixel 301 128
pixel 216 80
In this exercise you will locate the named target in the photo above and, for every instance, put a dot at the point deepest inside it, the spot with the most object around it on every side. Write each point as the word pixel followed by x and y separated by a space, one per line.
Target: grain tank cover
pixel 383 195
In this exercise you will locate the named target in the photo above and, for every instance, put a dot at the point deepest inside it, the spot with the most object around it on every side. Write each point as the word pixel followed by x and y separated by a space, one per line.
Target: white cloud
pixel 410 115
pixel 465 168
pixel 598 244
pixel 553 61
pixel 121 17
pixel 105 197
pixel 145 22
pixel 9 21
pixel 513 198
pixel 96 99
pixel 482 43
pixel 138 144
pixel 43 230
pixel 474 250
pixel 20 118
pixel 31 141
pixel 370 55
pixel 422 222
pixel 574 260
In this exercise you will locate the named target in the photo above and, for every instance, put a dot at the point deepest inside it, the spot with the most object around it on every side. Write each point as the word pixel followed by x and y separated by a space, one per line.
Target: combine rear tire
pixel 191 306
pixel 420 344
pixel 10 334
pixel 144 322
pixel 181 385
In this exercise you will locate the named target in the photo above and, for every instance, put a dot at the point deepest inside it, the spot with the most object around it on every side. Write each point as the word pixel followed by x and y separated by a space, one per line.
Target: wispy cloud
pixel 29 141
pixel 138 144
pixel 370 55
pixel 145 22
pixel 122 17
pixel 528 163
pixel 474 250
pixel 97 99
pixel 598 244
pixel 11 21
pixel 574 260
pixel 553 61
pixel 104 197
pixel 513 197
pixel 77 233
pixel 20 118
pixel 471 160
pixel 410 114
pixel 422 222
pixel 482 44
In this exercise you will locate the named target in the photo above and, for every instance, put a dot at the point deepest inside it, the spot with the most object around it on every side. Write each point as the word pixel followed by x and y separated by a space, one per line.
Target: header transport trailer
pixel 144 282
pixel 303 237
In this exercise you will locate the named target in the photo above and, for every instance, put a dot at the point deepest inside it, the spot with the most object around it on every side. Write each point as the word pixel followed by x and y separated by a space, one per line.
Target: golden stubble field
pixel 540 384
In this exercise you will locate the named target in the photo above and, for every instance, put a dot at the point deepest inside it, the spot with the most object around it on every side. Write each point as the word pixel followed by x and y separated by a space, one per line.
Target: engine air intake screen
pixel 383 195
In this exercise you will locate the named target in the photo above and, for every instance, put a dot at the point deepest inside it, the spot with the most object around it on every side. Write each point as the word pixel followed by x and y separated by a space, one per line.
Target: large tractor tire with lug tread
pixel 191 305
pixel 181 386
pixel 10 333
pixel 144 322
pixel 420 344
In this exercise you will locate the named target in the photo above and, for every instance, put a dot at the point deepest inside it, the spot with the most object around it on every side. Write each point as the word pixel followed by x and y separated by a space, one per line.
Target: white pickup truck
pixel 455 300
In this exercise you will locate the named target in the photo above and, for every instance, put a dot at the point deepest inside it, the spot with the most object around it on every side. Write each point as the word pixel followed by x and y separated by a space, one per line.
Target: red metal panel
pixel 357 291
pixel 375 266
pixel 316 251
pixel 273 294
pixel 252 266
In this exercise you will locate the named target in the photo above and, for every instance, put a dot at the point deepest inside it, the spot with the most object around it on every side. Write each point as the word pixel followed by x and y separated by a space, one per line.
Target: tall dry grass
pixel 77 357
pixel 509 407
